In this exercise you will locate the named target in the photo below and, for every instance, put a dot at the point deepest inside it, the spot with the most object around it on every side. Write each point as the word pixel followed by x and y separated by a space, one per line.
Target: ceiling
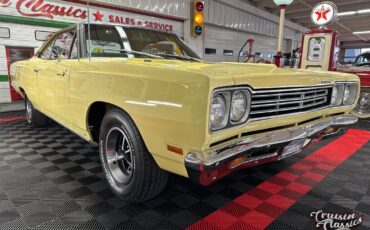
pixel 300 12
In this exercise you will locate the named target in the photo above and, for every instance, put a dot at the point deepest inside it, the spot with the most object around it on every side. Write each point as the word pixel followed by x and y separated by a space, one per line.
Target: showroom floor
pixel 51 179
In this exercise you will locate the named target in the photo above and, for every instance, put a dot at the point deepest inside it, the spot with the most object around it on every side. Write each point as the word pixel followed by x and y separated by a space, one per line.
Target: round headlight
pixel 363 105
pixel 218 112
pixel 350 93
pixel 364 101
pixel 238 106
pixel 337 95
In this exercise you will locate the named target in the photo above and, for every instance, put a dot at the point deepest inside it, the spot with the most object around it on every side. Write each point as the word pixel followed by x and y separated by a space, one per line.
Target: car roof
pixel 366 53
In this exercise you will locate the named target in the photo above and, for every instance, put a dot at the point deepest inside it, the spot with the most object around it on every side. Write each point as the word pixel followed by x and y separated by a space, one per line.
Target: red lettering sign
pixel 4 3
pixel 40 8
pixel 37 8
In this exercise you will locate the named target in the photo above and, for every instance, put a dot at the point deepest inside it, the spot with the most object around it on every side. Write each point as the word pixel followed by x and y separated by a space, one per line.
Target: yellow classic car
pixel 154 106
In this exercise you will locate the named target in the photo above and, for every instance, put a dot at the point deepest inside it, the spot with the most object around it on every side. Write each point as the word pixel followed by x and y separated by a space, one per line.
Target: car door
pixel 53 77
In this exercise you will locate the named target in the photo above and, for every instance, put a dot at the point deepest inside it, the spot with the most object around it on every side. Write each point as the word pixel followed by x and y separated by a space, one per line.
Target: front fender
pixel 168 106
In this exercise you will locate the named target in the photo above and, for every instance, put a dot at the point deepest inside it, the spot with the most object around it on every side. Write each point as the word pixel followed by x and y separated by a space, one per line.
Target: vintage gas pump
pixel 320 47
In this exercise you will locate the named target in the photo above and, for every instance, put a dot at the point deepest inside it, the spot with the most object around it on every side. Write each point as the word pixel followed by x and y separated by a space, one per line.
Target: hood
pixel 254 75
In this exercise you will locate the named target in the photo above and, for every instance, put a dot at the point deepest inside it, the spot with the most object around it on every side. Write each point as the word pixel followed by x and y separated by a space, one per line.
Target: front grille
pixel 277 102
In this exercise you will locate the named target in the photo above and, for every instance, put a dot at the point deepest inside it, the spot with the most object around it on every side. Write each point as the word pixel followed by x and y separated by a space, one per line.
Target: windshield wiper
pixel 187 58
pixel 136 52
pixel 140 53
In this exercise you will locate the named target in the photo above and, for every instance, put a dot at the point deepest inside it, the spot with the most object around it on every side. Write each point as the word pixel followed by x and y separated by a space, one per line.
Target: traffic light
pixel 198 18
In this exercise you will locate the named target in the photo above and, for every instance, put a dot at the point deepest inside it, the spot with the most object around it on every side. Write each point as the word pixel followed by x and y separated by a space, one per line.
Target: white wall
pixel 244 17
pixel 221 39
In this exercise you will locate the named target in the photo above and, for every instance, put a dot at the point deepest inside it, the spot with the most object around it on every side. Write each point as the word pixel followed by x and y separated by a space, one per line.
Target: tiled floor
pixel 51 179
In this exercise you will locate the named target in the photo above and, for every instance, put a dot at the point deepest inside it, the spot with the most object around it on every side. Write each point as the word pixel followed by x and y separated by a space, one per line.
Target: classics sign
pixel 324 13
pixel 70 11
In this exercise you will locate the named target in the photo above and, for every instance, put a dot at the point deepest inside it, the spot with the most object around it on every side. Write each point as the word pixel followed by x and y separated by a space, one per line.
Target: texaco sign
pixel 324 13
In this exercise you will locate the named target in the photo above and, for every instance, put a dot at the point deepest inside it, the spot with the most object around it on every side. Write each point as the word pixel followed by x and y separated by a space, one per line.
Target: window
pixel 46 52
pixel 74 50
pixel 104 41
pixel 229 52
pixel 43 35
pixel 210 51
pixel 365 58
pixel 4 32
pixel 157 43
pixel 351 54
pixel 62 45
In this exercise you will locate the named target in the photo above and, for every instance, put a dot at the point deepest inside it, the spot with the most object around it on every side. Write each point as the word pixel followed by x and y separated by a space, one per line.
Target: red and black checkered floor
pixel 51 179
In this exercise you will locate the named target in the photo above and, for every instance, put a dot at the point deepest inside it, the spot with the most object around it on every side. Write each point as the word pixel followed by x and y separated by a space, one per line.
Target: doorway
pixel 14 54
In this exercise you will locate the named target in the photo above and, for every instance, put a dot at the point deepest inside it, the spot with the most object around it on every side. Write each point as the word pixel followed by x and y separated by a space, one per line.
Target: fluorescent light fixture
pixel 347 13
pixel 362 32
pixel 363 11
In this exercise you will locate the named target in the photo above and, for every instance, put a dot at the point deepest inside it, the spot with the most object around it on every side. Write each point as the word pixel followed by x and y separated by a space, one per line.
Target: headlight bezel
pixel 342 86
pixel 352 94
pixel 228 94
pixel 248 96
pixel 225 96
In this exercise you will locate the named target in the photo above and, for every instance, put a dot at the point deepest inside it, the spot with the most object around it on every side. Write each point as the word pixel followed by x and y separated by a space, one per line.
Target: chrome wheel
pixel 119 155
pixel 28 110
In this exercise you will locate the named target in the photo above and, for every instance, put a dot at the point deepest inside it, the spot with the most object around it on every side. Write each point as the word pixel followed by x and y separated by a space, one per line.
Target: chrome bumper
pixel 310 132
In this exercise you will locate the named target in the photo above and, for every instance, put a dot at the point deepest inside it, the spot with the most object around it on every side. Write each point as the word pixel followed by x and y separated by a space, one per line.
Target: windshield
pixel 157 43
pixel 363 58
pixel 115 41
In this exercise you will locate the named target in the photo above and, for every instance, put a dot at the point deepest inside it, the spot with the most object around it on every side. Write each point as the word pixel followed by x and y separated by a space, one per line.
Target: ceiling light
pixel 347 13
pixel 363 11
pixel 362 32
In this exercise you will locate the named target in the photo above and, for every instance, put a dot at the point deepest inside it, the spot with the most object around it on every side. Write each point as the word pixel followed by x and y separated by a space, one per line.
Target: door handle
pixel 62 74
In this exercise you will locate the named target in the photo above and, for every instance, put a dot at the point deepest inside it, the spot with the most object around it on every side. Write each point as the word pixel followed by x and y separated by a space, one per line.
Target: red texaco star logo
pixel 98 16
pixel 322 13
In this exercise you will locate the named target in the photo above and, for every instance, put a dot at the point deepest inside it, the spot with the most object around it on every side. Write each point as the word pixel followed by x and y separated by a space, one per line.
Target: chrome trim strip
pixel 288 102
pixel 214 156
pixel 293 89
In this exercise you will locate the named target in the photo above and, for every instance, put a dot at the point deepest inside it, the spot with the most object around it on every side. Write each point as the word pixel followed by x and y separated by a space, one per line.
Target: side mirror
pixel 61 56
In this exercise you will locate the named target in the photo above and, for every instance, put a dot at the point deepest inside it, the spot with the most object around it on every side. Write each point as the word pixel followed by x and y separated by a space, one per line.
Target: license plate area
pixel 292 148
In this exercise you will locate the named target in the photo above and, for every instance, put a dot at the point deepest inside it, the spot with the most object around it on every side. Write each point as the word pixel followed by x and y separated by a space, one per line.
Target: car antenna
pixel 88 30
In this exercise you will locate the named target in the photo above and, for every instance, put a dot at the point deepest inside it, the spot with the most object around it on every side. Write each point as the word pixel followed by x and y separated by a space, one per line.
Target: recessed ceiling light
pixel 362 32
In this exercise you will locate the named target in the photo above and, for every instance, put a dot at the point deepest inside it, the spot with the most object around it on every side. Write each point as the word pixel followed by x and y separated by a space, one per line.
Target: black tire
pixel 130 170
pixel 34 117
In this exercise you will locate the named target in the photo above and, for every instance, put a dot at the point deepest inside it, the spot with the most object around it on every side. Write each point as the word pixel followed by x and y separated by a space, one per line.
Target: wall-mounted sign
pixel 75 12
pixel 324 13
